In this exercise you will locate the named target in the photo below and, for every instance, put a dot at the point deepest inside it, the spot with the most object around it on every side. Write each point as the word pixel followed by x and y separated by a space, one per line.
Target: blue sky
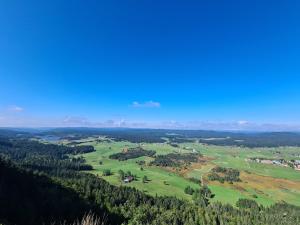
pixel 192 64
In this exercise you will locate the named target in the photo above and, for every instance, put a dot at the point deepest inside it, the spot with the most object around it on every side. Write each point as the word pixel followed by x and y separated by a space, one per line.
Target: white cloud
pixel 75 121
pixel 243 122
pixel 15 108
pixel 9 119
pixel 148 104
pixel 172 124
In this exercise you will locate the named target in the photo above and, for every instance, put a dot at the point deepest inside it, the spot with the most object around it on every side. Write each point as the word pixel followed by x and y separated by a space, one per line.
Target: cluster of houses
pixel 279 162
pixel 297 164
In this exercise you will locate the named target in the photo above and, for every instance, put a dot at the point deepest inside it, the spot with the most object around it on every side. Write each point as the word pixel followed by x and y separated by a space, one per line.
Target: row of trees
pixel 175 160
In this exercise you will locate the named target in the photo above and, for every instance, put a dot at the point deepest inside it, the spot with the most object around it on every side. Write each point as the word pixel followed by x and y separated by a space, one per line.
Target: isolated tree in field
pixel 206 192
pixel 121 174
pixel 106 172
pixel 188 190
pixel 128 173
pixel 145 179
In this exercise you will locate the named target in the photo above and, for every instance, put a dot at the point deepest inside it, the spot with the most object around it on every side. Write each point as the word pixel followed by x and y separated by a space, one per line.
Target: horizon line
pixel 151 128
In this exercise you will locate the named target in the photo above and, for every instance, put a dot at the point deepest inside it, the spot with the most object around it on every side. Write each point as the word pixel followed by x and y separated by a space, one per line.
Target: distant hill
pixel 247 139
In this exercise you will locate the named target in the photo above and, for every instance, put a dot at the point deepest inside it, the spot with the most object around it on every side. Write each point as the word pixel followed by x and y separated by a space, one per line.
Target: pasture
pixel 264 183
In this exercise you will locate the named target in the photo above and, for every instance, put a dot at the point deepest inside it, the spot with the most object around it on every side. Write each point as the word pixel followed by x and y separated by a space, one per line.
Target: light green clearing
pixel 233 157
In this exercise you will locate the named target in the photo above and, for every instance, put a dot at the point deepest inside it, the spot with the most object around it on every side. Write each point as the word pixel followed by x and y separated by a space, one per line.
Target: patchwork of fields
pixel 264 183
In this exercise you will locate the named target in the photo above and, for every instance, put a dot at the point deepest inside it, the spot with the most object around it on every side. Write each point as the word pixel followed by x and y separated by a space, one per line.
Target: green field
pixel 161 182
pixel 264 183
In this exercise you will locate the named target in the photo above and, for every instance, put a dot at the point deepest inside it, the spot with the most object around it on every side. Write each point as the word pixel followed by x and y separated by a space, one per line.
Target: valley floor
pixel 263 183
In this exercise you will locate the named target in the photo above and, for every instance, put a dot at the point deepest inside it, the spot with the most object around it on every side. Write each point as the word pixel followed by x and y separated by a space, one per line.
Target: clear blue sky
pixel 149 62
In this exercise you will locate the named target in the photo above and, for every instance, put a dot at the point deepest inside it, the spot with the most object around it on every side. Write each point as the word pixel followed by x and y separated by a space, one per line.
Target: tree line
pixel 175 160
pixel 132 153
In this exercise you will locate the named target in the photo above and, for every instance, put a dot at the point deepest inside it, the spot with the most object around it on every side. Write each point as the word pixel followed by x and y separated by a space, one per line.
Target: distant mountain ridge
pixel 222 138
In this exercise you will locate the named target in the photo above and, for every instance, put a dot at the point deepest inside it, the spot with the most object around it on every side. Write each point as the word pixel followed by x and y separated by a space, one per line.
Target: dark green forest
pixel 222 174
pixel 175 160
pixel 132 153
pixel 44 183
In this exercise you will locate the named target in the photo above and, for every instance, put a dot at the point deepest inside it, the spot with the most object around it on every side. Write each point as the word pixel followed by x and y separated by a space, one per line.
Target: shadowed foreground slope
pixel 27 198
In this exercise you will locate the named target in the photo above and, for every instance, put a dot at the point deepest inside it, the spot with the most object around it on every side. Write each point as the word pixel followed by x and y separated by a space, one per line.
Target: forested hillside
pixel 31 198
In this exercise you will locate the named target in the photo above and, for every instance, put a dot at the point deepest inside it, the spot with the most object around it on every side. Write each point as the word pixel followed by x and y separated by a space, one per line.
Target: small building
pixel 128 179
pixel 266 161
pixel 277 162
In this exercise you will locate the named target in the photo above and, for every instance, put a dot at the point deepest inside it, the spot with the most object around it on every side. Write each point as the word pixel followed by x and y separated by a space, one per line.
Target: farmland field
pixel 261 182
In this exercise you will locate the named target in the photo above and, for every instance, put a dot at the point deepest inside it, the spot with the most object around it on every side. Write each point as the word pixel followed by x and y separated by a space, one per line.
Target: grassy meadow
pixel 264 183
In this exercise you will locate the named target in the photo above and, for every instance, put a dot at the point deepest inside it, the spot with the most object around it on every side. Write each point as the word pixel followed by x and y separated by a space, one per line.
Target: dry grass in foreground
pixel 88 219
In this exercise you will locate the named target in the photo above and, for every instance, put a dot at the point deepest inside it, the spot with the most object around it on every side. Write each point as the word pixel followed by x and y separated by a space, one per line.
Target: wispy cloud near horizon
pixel 75 120
pixel 15 108
pixel 19 120
pixel 12 116
pixel 147 104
